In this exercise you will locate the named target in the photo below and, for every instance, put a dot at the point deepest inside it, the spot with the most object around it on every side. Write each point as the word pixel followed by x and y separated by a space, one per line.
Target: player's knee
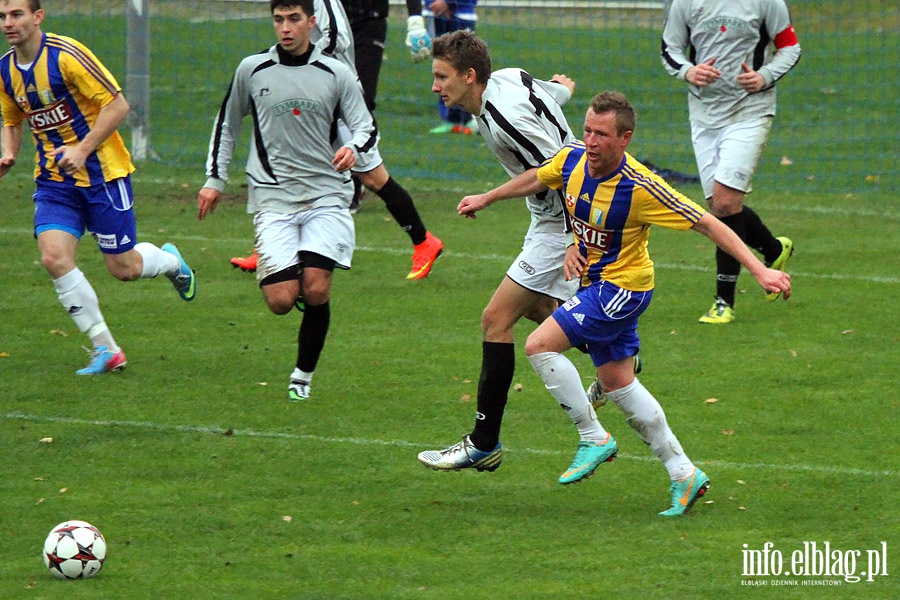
pixel 56 262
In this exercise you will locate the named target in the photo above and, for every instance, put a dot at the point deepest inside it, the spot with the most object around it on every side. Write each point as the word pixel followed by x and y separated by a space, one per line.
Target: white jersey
pixel 296 102
pixel 756 32
pixel 523 124
pixel 332 35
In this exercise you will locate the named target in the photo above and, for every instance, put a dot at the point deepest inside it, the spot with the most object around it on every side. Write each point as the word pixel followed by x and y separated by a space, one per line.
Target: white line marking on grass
pixel 250 433
pixel 505 258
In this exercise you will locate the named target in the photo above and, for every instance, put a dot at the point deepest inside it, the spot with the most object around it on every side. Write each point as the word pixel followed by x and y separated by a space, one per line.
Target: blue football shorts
pixel 105 210
pixel 605 317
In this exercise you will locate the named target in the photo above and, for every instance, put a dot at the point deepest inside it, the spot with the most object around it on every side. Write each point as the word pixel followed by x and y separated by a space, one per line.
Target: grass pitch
pixel 207 483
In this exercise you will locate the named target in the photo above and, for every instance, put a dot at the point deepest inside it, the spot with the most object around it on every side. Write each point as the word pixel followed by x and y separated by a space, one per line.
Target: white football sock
pixel 77 296
pixel 562 380
pixel 156 262
pixel 299 375
pixel 646 417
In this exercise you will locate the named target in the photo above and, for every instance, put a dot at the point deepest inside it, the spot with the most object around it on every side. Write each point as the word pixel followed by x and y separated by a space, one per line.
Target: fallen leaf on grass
pixel 712 400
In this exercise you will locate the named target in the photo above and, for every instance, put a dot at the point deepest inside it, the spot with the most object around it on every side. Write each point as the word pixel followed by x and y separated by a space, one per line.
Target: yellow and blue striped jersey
pixel 60 94
pixel 611 217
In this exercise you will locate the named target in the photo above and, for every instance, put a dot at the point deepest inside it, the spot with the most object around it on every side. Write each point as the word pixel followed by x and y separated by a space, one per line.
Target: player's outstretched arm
pixel 524 184
pixel 726 239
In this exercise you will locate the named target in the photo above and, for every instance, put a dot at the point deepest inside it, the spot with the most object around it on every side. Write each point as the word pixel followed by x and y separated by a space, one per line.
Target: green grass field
pixel 208 485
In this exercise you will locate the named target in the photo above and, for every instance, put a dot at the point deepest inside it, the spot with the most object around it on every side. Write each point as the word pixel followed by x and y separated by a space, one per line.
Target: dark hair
pixel 464 50
pixel 306 6
pixel 616 102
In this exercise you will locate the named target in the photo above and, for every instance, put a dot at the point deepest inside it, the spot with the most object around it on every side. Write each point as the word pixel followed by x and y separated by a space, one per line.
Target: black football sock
pixel 727 267
pixel 400 204
pixel 311 338
pixel 759 237
pixel 498 363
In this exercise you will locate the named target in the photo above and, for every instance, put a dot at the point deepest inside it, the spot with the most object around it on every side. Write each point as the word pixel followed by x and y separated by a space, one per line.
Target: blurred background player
pixel 82 177
pixel 737 51
pixel 299 187
pixel 613 202
pixel 446 16
pixel 335 36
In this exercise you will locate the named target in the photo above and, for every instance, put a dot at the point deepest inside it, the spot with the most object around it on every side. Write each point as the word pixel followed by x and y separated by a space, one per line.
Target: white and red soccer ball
pixel 74 550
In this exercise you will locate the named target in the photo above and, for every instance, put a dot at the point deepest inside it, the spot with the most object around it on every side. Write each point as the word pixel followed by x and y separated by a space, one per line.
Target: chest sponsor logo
pixel 52 117
pixel 593 237
pixel 295 106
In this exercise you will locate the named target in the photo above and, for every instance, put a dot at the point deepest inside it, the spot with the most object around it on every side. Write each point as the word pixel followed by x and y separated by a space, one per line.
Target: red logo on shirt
pixel 52 117
pixel 724 29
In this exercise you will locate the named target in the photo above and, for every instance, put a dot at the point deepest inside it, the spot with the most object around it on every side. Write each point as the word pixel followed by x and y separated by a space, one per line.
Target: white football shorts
pixel 539 267
pixel 730 154
pixel 327 230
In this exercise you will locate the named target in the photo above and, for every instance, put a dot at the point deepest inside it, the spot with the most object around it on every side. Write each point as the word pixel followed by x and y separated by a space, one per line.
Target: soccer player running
pixel 333 36
pixel 74 106
pixel 522 123
pixel 613 200
pixel 738 51
pixel 299 187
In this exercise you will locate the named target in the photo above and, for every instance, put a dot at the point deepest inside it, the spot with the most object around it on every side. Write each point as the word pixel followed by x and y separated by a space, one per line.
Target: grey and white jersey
pixel 732 32
pixel 523 124
pixel 295 102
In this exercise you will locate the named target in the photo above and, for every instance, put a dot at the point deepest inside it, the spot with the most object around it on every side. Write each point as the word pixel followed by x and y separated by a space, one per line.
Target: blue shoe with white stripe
pixel 184 280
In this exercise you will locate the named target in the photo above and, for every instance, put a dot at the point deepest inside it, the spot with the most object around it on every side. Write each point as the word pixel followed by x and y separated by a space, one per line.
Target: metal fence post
pixel 137 79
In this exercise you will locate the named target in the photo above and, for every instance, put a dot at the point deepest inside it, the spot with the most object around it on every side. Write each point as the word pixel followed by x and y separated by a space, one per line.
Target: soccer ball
pixel 74 549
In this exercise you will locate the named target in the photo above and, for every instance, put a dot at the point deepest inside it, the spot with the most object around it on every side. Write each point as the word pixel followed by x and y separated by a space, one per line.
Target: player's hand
pixel 469 205
pixel 70 159
pixel 417 39
pixel 574 263
pixel 6 163
pixel 750 80
pixel 703 74
pixel 776 281
pixel 207 201
pixel 440 8
pixel 564 80
pixel 344 159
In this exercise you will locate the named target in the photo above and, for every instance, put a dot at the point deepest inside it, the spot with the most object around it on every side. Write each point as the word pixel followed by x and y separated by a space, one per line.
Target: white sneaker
pixel 462 455
pixel 298 390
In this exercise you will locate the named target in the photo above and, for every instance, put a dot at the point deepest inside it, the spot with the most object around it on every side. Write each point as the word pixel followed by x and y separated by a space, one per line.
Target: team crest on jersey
pixel 22 101
pixel 570 200
pixel 296 106
pixel 47 97
pixel 52 117
pixel 593 237
pixel 571 303
pixel 596 215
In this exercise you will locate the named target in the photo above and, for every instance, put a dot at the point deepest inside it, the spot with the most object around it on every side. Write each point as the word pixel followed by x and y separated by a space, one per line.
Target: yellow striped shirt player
pixel 60 96
pixel 611 216
pixel 73 106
